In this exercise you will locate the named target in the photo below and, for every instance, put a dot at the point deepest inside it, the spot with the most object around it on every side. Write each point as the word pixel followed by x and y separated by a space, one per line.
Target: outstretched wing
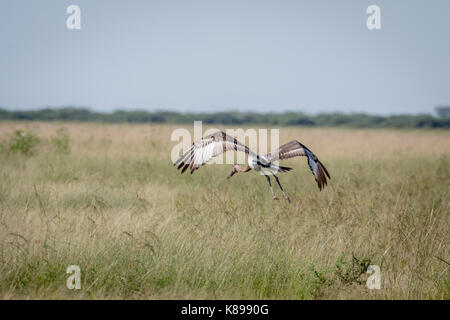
pixel 207 148
pixel 295 149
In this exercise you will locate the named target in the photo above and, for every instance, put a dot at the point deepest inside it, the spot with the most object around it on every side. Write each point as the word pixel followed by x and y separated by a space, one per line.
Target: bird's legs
pixel 279 184
pixel 270 184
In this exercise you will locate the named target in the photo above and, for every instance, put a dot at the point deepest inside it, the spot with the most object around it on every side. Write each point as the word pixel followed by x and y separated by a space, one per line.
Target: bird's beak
pixel 231 173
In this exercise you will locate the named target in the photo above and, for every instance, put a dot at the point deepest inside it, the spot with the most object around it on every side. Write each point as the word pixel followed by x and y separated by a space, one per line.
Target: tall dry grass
pixel 113 204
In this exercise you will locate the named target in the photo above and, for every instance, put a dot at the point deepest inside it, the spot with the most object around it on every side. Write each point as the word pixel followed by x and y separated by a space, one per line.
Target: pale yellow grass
pixel 115 206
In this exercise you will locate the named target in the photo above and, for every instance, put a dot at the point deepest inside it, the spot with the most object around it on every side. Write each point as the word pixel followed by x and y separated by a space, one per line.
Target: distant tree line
pixel 356 120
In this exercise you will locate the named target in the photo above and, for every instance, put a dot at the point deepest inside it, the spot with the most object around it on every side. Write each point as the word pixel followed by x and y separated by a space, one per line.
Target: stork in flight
pixel 219 142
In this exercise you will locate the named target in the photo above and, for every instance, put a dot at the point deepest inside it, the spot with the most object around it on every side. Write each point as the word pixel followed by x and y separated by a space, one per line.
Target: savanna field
pixel 106 197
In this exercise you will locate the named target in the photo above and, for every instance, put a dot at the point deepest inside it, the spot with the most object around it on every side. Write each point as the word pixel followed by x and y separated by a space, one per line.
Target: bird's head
pixel 233 171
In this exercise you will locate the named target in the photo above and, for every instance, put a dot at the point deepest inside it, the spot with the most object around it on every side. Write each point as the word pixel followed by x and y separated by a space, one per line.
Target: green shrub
pixel 23 142
pixel 350 271
pixel 61 141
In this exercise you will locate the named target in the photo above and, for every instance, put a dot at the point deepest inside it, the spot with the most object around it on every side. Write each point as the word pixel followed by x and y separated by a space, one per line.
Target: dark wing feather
pixel 295 149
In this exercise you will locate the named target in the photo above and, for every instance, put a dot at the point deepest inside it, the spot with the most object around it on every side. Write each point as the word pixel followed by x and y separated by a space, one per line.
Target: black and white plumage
pixel 219 142
pixel 207 148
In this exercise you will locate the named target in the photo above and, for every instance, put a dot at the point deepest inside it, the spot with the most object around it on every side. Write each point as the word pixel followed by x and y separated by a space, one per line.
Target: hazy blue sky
pixel 210 55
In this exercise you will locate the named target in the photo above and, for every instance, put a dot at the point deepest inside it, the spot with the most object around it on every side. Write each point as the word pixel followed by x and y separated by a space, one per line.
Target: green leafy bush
pixel 351 271
pixel 61 141
pixel 23 142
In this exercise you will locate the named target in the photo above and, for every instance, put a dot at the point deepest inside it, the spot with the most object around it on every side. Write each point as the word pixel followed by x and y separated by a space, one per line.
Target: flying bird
pixel 219 142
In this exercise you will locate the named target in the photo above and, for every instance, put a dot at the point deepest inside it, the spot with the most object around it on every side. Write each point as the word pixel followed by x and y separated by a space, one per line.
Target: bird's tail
pixel 283 169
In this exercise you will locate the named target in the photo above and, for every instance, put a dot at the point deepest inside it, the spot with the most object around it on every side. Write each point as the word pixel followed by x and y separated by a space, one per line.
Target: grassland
pixel 107 198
